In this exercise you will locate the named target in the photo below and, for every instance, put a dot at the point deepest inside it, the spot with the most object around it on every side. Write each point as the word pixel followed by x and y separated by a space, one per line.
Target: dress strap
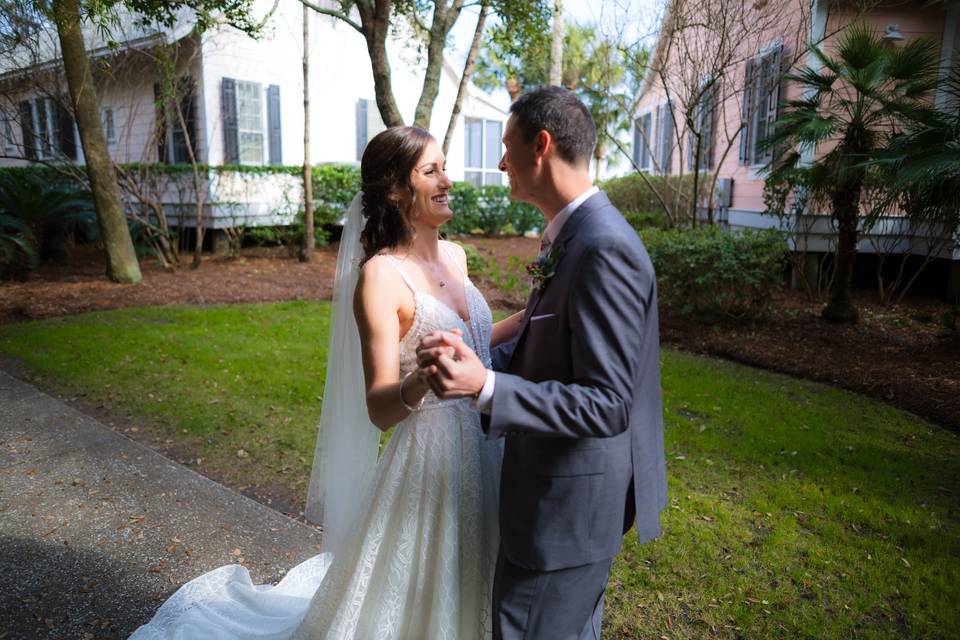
pixel 443 246
pixel 403 274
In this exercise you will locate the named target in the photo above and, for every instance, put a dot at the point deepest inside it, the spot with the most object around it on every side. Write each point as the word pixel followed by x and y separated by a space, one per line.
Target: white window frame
pixel 484 174
pixel 45 140
pixel 247 122
pixel 9 139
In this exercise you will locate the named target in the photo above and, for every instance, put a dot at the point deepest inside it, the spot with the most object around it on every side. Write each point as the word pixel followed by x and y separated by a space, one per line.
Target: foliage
pixel 604 75
pixel 850 108
pixel 334 186
pixel 645 220
pixel 789 501
pixel 633 194
pixel 476 263
pixel 489 210
pixel 17 254
pixel 50 211
pixel 921 165
pixel 711 271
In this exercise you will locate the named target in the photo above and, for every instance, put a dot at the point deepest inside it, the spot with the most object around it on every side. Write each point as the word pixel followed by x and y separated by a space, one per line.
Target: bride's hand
pixel 432 346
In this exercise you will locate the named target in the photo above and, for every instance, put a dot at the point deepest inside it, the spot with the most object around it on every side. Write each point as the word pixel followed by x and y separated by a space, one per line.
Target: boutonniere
pixel 544 267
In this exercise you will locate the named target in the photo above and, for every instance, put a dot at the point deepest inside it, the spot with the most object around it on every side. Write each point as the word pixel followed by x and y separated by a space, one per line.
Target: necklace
pixel 441 281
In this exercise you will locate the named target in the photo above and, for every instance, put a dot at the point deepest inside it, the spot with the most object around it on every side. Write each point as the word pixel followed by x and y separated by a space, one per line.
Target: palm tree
pixel 852 108
pixel 922 164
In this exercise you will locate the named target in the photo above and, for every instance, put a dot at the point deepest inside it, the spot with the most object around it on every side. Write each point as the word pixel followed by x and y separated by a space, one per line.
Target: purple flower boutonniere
pixel 544 267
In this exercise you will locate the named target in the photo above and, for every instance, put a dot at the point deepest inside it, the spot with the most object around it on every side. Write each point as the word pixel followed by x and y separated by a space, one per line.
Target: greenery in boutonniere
pixel 544 267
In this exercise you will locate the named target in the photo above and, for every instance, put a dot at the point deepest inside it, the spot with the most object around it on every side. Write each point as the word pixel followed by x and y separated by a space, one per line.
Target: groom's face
pixel 519 161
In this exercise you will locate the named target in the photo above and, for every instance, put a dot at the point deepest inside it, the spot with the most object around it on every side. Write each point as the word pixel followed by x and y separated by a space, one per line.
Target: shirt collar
pixel 552 232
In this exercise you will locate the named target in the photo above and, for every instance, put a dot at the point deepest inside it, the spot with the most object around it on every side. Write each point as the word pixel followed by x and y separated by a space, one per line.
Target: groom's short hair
pixel 560 112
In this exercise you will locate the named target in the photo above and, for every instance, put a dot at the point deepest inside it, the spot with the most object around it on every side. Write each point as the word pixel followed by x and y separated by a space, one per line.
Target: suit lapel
pixel 591 204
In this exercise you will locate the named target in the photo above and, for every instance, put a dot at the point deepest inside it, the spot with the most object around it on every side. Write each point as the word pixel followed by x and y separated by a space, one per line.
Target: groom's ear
pixel 543 143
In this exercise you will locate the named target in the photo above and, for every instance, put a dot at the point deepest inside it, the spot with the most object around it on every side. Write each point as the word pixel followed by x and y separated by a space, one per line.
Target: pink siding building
pixel 732 57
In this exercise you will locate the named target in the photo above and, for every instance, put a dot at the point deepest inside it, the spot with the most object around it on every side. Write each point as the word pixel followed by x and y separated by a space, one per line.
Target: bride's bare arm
pixel 506 329
pixel 375 304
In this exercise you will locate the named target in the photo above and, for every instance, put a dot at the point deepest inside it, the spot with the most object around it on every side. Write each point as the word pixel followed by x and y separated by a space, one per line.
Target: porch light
pixel 892 32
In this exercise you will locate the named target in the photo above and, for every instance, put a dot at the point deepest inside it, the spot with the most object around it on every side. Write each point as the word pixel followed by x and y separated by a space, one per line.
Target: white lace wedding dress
pixel 420 565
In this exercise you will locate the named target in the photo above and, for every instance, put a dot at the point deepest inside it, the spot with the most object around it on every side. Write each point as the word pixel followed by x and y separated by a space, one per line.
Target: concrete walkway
pixel 97 530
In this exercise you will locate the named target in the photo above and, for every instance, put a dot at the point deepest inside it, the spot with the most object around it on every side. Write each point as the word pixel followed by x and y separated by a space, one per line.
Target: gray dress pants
pixel 566 604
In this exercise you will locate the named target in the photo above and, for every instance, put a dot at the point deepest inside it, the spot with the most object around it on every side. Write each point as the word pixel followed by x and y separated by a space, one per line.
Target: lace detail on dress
pixel 421 563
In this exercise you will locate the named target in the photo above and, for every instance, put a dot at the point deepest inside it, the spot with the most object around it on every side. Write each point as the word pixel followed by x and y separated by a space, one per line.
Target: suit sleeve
pixel 500 354
pixel 608 305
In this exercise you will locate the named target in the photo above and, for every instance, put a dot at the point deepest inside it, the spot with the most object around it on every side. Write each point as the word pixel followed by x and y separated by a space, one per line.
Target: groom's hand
pixel 460 375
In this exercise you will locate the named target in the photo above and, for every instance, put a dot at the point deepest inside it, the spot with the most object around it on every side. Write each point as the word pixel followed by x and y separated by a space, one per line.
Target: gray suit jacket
pixel 577 398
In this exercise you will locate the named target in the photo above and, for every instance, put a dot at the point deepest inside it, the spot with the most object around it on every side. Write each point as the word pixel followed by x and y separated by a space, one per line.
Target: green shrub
pixel 334 186
pixel 477 265
pixel 710 271
pixel 646 220
pixel 633 193
pixel 488 210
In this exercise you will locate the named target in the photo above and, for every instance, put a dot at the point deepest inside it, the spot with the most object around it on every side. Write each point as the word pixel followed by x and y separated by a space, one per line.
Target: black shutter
pixel 228 110
pixel 160 124
pixel 26 128
pixel 666 139
pixel 361 127
pixel 709 115
pixel 273 123
pixel 65 137
pixel 746 111
pixel 188 106
pixel 773 100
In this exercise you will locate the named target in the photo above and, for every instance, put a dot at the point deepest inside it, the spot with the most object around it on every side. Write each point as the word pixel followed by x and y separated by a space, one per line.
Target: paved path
pixel 97 530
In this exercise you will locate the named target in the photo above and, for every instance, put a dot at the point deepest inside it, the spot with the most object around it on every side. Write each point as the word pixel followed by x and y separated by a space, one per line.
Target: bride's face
pixel 430 187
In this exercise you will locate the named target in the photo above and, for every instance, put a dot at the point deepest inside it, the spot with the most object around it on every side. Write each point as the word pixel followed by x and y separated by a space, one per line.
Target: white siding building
pixel 242 102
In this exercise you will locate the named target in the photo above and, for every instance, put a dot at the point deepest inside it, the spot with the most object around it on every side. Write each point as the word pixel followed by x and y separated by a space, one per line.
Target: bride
pixel 410 539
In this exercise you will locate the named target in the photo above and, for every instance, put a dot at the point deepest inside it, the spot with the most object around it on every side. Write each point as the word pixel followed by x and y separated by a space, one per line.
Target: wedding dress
pixel 417 559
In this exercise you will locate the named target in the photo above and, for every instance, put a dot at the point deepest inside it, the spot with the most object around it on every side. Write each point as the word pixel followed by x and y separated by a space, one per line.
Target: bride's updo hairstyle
pixel 385 168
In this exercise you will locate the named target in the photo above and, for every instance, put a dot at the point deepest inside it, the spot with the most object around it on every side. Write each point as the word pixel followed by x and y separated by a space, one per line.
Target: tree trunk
pixel 556 45
pixel 122 265
pixel 444 18
pixel 465 78
pixel 306 249
pixel 846 210
pixel 514 88
pixel 376 24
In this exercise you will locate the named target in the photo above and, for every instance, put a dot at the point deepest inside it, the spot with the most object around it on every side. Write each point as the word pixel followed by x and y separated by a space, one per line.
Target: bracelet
pixel 415 407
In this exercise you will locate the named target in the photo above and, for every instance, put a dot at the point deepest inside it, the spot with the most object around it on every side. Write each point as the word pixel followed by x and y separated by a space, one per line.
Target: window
pixel 48 130
pixel 106 121
pixel 700 146
pixel 761 96
pixel 9 142
pixel 643 141
pixel 250 122
pixel 483 150
pixel 369 123
pixel 176 138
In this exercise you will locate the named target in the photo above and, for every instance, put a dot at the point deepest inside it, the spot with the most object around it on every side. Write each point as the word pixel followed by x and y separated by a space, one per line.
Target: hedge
pixel 710 271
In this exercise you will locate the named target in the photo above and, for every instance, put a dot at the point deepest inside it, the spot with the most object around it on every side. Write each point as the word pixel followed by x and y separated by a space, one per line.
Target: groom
pixel 576 395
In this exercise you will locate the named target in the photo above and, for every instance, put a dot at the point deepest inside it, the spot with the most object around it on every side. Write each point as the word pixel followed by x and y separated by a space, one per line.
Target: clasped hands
pixel 449 366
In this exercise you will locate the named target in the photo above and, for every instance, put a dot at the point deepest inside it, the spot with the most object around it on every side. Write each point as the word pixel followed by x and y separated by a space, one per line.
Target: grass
pixel 797 510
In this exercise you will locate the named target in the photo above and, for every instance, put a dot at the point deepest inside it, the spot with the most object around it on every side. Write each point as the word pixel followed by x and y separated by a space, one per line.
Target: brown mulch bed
pixel 899 354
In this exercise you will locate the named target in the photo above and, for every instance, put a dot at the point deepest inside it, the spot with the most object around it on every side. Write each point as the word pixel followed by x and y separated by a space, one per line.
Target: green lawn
pixel 797 511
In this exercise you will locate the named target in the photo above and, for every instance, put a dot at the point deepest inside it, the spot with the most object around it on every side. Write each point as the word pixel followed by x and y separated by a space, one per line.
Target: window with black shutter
pixel 27 128
pixel 761 98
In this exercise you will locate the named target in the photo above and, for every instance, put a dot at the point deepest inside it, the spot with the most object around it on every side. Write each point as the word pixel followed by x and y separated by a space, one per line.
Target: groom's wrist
pixel 483 401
